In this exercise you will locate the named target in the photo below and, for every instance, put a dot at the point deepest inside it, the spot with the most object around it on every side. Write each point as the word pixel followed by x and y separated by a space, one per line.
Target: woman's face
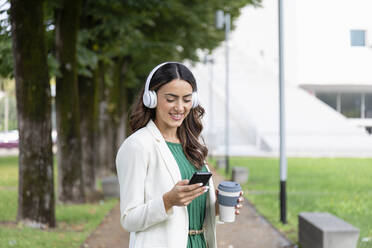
pixel 174 103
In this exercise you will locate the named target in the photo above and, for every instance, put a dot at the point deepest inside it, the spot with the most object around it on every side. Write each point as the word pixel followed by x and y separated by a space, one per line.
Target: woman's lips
pixel 176 117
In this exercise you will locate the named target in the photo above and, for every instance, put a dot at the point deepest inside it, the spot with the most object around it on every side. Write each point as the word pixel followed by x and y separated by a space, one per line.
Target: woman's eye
pixel 187 100
pixel 170 100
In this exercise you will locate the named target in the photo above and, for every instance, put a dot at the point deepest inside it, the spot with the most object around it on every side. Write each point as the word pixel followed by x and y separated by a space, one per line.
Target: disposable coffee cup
pixel 228 195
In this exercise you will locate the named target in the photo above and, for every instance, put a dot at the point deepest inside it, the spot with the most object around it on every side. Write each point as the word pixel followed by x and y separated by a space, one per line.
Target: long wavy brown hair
pixel 191 127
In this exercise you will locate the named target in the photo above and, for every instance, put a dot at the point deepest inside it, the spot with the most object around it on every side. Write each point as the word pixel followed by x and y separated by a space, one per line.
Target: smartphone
pixel 200 177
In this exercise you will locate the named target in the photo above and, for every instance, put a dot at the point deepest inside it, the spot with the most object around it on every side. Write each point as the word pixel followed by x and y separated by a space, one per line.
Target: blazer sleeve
pixel 136 214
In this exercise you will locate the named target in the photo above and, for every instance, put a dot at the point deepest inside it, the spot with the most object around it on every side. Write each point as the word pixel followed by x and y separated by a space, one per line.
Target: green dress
pixel 196 208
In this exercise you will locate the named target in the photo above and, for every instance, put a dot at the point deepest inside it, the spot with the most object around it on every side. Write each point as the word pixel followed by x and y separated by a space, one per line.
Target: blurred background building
pixel 328 61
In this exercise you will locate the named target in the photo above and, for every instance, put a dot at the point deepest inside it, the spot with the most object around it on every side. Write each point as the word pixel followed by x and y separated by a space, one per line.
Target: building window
pixel 368 105
pixel 358 37
pixel 351 105
pixel 328 98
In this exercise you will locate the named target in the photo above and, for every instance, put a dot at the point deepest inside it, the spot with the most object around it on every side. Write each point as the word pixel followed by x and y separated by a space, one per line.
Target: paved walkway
pixel 8 152
pixel 250 230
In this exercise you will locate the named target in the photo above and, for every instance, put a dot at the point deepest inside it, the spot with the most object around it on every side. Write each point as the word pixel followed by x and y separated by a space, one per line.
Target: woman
pixel 157 205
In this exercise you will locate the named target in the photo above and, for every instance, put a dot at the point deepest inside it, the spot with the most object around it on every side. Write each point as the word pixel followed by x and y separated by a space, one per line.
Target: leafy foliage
pixel 6 56
pixel 149 32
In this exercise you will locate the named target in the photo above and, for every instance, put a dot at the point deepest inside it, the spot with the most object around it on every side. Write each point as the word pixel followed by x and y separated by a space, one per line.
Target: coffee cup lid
pixel 228 186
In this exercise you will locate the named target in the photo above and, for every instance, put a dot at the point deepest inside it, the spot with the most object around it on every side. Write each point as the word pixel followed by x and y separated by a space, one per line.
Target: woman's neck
pixel 169 134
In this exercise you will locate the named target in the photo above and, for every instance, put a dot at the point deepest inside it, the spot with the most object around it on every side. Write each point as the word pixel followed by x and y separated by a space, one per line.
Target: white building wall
pixel 313 128
pixel 316 40
pixel 324 53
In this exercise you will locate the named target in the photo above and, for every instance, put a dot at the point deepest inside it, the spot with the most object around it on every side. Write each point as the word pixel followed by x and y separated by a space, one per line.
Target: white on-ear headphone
pixel 150 98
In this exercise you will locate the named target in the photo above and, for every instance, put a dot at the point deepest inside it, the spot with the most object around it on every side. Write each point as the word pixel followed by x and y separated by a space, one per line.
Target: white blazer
pixel 146 170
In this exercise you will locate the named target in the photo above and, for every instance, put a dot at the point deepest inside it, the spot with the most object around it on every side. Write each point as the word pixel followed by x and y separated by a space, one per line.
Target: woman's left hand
pixel 239 205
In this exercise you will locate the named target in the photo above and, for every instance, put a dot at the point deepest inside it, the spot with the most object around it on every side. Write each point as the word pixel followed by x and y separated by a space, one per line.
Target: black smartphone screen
pixel 200 177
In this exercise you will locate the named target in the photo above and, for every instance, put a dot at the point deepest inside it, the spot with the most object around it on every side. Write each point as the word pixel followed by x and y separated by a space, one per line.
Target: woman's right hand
pixel 182 194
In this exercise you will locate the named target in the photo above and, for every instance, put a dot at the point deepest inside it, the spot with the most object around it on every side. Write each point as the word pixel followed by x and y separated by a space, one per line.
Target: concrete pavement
pixel 250 230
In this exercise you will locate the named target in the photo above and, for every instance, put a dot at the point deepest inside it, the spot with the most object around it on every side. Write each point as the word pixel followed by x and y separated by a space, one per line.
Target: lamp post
pixel 208 60
pixel 283 159
pixel 223 19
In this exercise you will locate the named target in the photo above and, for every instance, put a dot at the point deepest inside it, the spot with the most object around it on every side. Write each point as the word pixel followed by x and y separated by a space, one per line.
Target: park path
pixel 250 230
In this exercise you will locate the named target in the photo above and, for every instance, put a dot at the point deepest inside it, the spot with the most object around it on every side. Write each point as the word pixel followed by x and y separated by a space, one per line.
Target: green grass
pixel 75 222
pixel 341 186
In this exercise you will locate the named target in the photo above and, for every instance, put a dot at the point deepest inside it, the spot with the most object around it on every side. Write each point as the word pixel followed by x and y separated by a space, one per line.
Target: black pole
pixel 283 200
pixel 283 159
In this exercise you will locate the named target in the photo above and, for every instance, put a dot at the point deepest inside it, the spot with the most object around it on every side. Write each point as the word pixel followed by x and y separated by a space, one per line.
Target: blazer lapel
pixel 167 155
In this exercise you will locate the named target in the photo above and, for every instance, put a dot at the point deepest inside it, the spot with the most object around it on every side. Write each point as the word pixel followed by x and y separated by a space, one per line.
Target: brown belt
pixel 195 232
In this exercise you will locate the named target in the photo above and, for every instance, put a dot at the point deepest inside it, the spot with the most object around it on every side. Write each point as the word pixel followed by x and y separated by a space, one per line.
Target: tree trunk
pixel 122 128
pixel 110 116
pixel 124 105
pixel 70 176
pixel 88 100
pixel 36 187
pixel 101 136
pixel 88 110
pixel 114 110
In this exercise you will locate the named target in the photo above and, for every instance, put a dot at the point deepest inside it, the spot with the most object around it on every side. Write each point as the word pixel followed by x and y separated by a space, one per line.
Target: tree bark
pixel 35 188
pixel 124 105
pixel 88 99
pixel 70 176
pixel 101 139
pixel 114 111
pixel 112 115
pixel 89 111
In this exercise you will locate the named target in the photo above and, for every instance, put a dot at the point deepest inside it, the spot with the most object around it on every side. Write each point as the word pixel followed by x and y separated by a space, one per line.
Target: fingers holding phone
pixel 183 193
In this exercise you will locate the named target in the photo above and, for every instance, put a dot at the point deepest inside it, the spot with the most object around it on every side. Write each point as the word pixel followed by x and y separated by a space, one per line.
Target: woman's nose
pixel 179 105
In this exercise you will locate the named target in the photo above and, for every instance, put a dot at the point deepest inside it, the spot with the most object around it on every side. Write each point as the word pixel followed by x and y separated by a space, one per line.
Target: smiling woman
pixel 158 206
pixel 174 104
pixel 170 99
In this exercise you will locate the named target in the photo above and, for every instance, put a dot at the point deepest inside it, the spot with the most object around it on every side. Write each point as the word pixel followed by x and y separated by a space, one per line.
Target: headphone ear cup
pixel 195 99
pixel 146 99
pixel 153 99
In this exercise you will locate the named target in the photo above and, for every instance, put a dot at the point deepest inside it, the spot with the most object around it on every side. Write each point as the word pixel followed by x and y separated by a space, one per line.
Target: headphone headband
pixel 149 77
pixel 149 97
